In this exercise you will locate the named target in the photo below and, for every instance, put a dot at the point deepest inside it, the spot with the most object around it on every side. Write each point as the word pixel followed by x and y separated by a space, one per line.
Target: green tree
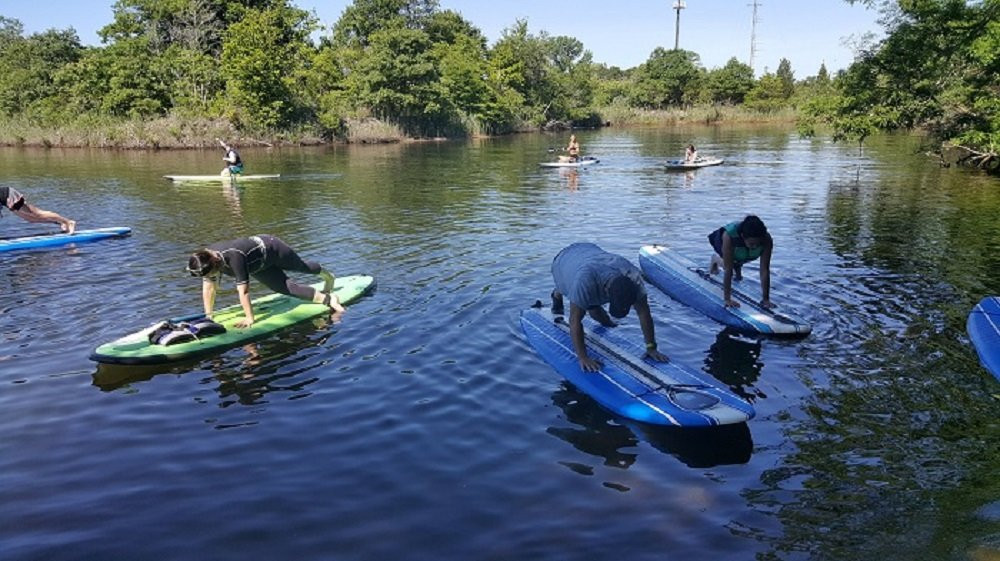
pixel 822 76
pixel 264 57
pixel 11 30
pixel 29 66
pixel 364 18
pixel 518 67
pixel 936 68
pixel 787 77
pixel 611 85
pixel 124 79
pixel 399 80
pixel 768 94
pixel 667 78
pixel 729 84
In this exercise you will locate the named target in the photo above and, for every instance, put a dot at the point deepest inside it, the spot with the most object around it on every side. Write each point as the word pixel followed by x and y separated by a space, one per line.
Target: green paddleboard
pixel 271 313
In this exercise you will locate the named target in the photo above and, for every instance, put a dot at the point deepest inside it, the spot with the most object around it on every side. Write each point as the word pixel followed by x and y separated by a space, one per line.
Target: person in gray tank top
pixel 591 277
pixel 13 200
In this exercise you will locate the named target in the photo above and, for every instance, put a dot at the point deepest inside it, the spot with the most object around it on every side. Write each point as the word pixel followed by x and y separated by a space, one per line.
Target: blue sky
pixel 621 33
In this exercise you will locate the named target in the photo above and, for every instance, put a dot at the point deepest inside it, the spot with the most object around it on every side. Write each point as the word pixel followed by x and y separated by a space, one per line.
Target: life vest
pixel 741 253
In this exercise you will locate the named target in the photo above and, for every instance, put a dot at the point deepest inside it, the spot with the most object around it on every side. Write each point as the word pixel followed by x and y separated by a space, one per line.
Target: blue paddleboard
pixel 52 240
pixel 660 393
pixel 685 282
pixel 984 331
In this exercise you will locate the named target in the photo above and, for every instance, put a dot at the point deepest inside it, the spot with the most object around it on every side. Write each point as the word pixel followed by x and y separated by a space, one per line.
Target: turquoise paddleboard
pixel 271 313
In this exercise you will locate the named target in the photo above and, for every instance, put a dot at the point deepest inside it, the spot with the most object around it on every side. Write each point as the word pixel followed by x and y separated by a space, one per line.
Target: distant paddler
pixel 690 154
pixel 573 149
pixel 234 164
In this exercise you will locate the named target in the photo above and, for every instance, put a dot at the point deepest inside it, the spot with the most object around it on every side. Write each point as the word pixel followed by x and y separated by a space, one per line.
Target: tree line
pixel 256 64
pixel 266 66
pixel 937 69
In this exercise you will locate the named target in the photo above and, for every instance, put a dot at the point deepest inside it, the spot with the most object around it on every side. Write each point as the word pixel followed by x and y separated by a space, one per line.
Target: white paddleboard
pixel 587 161
pixel 699 163
pixel 214 178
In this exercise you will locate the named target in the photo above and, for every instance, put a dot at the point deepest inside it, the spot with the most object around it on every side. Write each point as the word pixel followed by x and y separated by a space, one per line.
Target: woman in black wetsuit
pixel 265 258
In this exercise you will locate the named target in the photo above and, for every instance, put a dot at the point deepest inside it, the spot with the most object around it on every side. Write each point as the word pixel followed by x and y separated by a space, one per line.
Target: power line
pixel 753 33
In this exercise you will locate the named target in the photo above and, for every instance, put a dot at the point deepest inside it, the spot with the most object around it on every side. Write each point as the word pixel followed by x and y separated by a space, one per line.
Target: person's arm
pixel 208 289
pixel 648 331
pixel 576 334
pixel 765 278
pixel 727 277
pixel 244 292
pixel 598 314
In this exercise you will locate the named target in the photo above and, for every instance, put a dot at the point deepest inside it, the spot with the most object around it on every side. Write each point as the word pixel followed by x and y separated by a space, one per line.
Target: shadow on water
pixel 734 360
pixel 599 433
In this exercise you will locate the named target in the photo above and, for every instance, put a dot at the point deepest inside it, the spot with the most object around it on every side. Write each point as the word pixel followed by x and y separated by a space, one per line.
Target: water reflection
pixel 601 434
pixel 734 359
pixel 571 178
pixel 231 193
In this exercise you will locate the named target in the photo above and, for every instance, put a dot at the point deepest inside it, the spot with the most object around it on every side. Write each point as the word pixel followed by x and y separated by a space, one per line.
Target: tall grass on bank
pixel 177 131
pixel 173 131
pixel 373 131
pixel 625 116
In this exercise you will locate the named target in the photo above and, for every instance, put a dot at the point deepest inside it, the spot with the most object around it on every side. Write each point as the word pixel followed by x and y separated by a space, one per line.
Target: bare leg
pixel 714 265
pixel 328 299
pixel 31 213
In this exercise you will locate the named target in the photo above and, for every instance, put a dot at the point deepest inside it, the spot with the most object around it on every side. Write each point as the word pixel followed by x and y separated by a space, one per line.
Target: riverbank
pixel 176 132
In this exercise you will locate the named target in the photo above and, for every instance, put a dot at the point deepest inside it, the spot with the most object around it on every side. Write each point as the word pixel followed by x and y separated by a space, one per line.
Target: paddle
pixel 39 235
pixel 684 395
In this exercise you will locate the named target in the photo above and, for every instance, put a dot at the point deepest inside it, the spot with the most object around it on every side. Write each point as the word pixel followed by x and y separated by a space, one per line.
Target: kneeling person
pixel 265 258
pixel 591 277
pixel 738 243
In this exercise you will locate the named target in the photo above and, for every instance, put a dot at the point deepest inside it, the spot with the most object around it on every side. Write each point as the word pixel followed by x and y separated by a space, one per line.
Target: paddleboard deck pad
pixel 691 285
pixel 586 161
pixel 218 177
pixel 699 163
pixel 53 240
pixel 983 326
pixel 659 393
pixel 271 313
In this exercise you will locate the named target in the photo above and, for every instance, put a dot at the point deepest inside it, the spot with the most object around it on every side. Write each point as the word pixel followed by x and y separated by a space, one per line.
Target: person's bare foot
pixel 333 302
pixel 69 227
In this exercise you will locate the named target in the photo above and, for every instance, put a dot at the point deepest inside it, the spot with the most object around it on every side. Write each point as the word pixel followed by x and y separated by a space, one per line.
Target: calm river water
pixel 424 427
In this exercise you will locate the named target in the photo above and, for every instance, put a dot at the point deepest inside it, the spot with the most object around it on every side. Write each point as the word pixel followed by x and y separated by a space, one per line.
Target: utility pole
pixel 678 6
pixel 753 34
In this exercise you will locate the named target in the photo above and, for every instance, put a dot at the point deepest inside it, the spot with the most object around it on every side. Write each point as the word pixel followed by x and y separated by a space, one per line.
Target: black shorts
pixel 11 198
